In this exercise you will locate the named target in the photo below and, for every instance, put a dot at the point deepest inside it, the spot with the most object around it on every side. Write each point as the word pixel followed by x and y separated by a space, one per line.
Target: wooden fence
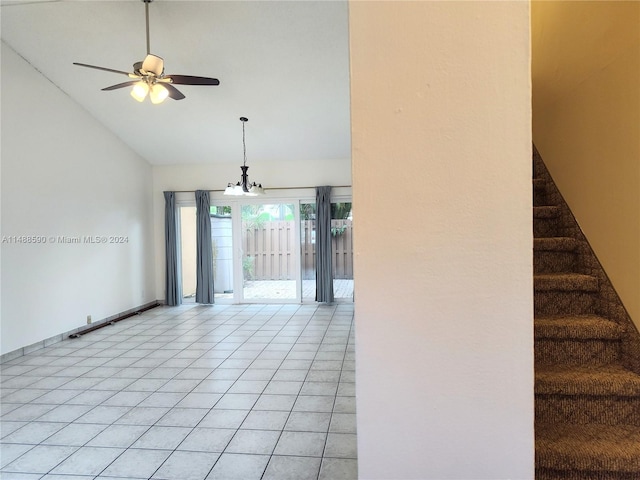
pixel 270 249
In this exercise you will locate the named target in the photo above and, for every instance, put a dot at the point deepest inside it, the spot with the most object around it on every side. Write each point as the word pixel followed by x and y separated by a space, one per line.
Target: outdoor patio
pixel 286 290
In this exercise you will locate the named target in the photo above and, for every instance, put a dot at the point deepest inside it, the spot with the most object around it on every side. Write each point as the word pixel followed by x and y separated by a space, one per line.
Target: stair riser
pixel 582 410
pixel 576 352
pixel 554 262
pixel 563 303
pixel 545 227
pixel 539 197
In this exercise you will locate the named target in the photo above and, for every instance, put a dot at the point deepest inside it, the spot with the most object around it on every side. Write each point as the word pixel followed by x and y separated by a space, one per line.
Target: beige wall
pixel 586 125
pixel 441 159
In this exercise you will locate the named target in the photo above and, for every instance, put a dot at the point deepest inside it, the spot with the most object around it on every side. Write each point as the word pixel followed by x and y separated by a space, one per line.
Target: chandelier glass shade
pixel 157 92
pixel 244 186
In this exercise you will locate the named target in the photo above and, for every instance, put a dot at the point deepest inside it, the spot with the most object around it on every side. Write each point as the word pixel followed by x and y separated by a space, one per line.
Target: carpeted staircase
pixel 587 353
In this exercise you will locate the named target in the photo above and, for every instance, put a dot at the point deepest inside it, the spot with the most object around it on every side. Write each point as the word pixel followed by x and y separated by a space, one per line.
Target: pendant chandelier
pixel 244 186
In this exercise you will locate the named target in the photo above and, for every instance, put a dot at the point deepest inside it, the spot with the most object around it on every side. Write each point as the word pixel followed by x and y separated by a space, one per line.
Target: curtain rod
pixel 270 188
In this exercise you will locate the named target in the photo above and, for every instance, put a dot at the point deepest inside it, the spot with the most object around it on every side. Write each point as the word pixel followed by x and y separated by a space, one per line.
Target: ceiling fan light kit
pixel 148 78
pixel 140 91
pixel 244 186
pixel 158 94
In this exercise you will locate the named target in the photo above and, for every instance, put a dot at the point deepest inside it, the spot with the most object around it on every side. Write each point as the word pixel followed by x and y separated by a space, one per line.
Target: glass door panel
pixel 308 250
pixel 188 252
pixel 342 250
pixel 222 246
pixel 269 256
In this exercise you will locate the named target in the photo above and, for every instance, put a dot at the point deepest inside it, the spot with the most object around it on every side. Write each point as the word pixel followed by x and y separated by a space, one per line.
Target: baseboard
pixel 47 342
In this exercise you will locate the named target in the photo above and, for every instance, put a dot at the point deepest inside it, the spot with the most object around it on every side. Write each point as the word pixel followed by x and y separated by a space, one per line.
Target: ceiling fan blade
pixel 191 80
pixel 173 91
pixel 103 68
pixel 153 64
pixel 121 85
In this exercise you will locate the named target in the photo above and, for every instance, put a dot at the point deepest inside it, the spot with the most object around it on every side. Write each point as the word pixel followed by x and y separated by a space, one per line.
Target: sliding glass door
pixel 264 251
pixel 269 253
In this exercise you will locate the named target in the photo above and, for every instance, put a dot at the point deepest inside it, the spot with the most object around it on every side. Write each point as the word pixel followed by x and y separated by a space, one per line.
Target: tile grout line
pixel 246 329
pixel 235 381
pixel 298 394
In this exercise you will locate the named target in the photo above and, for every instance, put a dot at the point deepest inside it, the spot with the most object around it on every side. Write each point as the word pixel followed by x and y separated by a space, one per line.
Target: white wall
pixel 441 142
pixel 272 175
pixel 63 174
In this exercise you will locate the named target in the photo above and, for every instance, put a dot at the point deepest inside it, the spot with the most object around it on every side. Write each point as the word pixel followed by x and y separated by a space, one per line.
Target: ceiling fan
pixel 148 77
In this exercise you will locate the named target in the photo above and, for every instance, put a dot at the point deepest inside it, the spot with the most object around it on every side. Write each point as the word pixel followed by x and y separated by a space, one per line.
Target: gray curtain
pixel 204 254
pixel 173 290
pixel 324 271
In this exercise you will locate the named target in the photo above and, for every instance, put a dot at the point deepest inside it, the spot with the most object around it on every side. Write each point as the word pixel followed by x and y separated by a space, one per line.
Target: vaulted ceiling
pixel 282 64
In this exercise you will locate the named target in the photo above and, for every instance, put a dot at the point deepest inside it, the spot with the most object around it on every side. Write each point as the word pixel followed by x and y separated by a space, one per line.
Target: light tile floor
pixel 191 392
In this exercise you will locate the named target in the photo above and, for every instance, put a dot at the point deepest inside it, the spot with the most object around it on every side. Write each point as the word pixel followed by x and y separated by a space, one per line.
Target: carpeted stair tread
pixel 598 380
pixel 565 282
pixel 554 244
pixel 580 327
pixel 588 448
pixel 546 211
pixel 539 183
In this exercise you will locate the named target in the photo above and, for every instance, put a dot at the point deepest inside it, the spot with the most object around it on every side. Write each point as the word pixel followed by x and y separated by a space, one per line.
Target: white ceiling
pixel 282 64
